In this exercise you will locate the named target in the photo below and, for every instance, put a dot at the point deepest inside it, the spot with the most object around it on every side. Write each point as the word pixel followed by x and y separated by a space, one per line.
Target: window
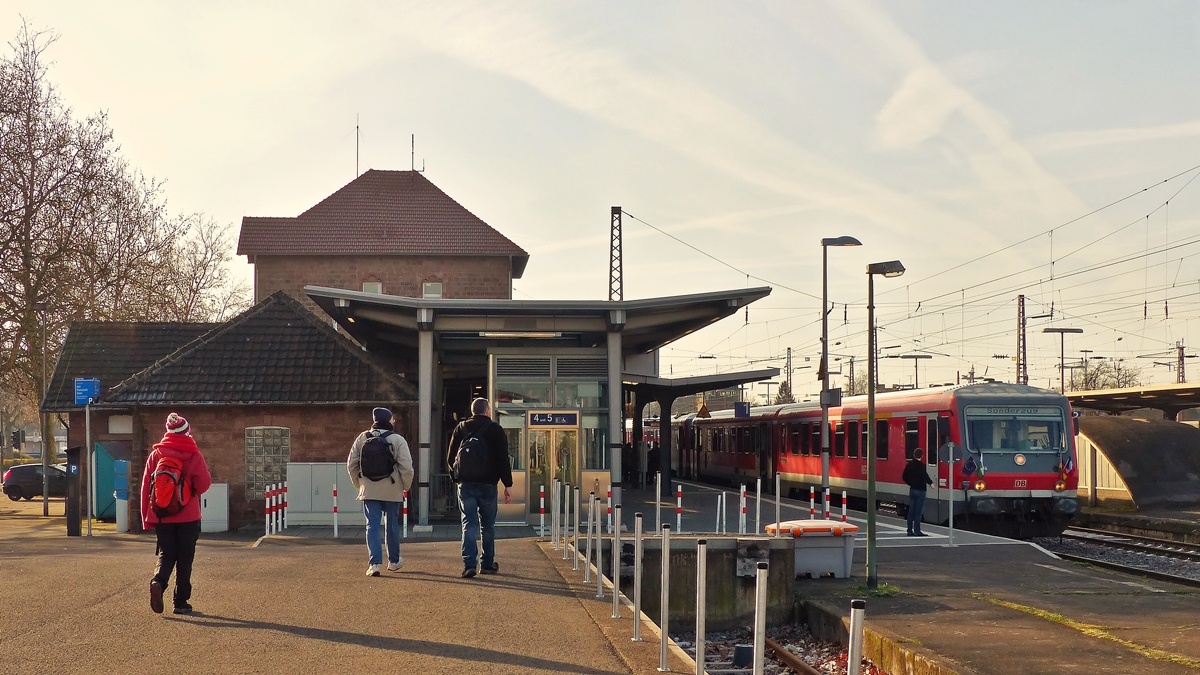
pixel 268 450
pixel 912 436
pixel 816 439
pixel 852 439
pixel 931 441
pixel 120 424
pixel 881 439
pixel 373 287
pixel 796 430
pixel 805 440
pixel 865 444
pixel 431 289
pixel 839 440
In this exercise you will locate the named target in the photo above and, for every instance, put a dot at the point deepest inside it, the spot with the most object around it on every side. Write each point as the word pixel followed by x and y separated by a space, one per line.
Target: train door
pixel 933 503
pixel 766 458
pixel 553 452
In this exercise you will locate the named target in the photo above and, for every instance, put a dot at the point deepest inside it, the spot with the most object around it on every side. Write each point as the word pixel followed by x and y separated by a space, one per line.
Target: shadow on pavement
pixel 438 649
pixel 529 584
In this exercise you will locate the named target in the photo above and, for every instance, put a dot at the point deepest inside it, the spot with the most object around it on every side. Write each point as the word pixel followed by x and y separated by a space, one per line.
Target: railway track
pixel 1130 542
pixel 1149 557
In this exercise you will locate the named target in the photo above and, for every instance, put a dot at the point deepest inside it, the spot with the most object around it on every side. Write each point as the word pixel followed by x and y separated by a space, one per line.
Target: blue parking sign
pixel 86 390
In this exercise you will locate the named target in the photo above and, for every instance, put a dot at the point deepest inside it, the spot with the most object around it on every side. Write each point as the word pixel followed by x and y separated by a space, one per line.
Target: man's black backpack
pixel 471 463
pixel 377 461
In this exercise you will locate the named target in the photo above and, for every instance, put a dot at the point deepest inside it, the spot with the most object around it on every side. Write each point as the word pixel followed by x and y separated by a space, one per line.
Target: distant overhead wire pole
pixel 1022 355
pixel 616 285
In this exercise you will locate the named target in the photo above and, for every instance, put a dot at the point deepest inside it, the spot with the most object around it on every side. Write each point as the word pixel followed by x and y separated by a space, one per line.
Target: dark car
pixel 25 480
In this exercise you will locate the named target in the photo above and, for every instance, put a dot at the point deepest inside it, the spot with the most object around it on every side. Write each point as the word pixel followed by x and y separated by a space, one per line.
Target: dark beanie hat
pixel 382 415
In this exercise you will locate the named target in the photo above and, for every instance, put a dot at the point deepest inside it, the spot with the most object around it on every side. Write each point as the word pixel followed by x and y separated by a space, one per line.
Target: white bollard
pixel 566 518
pixel 616 565
pixel 679 508
pixel 335 515
pixel 637 577
pixel 575 529
pixel 724 513
pixel 701 588
pixel 554 513
pixel 587 560
pixel 405 521
pixel 742 515
pixel 266 512
pixel 599 554
pixel 758 505
pixel 717 524
pixel 658 502
pixel 664 599
pixel 777 521
pixel 854 655
pixel 760 618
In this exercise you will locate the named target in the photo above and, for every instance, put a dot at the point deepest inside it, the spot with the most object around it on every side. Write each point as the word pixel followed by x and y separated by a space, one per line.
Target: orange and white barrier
pixel 335 512
pixel 679 508
pixel 405 517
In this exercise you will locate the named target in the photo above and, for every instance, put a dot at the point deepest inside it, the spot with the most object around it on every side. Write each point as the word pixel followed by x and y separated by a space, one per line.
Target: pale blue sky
pixel 935 132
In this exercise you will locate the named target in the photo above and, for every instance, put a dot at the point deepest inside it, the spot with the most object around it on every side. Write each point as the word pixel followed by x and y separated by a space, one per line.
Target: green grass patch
pixel 884 591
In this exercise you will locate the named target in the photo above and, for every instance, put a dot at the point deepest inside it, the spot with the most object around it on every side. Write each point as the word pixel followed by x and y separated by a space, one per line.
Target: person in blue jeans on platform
pixel 382 472
pixel 477 494
pixel 918 480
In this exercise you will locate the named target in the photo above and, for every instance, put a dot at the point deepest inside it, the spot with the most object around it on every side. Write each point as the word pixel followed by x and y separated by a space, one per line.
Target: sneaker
pixel 468 573
pixel 490 568
pixel 185 608
pixel 372 570
pixel 395 566
pixel 156 597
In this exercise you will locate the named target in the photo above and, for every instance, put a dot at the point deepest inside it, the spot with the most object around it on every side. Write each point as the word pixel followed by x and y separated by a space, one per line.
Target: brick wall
pixel 318 434
pixel 460 276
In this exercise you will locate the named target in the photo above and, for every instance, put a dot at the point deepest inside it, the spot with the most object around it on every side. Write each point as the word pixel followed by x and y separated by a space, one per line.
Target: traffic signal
pixel 16 440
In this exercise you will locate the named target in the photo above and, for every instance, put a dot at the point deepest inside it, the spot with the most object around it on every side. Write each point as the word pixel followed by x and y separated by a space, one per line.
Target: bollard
pixel 554 513
pixel 335 516
pixel 599 553
pixel 266 512
pixel 566 518
pixel 742 515
pixel 826 503
pixel 616 565
pixel 277 511
pixel 854 655
pixel 405 515
pixel 812 503
pixel 610 518
pixel 285 505
pixel 664 599
pixel 587 560
pixel 637 577
pixel 758 505
pixel 658 502
pixel 760 617
pixel 542 510
pixel 575 540
pixel 777 521
pixel 724 513
pixel 843 506
pixel 679 508
pixel 717 524
pixel 701 587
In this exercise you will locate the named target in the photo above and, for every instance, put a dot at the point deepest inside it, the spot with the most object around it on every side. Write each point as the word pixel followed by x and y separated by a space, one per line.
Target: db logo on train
pixel 1020 483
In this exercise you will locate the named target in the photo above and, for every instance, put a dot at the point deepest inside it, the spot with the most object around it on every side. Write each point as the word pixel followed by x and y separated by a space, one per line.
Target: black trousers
pixel 176 551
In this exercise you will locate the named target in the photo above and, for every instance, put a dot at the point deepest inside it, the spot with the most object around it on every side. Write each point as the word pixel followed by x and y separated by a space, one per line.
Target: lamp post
pixel 40 308
pixel 825 244
pixel 916 359
pixel 1062 354
pixel 886 269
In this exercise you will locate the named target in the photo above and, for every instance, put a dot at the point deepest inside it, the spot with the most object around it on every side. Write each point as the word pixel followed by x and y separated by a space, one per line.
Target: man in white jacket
pixel 381 491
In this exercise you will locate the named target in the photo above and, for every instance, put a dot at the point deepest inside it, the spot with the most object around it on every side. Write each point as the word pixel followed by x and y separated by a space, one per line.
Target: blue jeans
pixel 477 504
pixel 916 507
pixel 374 509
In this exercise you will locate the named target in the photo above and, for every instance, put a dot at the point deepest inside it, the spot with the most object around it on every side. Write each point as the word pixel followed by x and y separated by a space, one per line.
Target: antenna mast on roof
pixel 356 145
pixel 616 285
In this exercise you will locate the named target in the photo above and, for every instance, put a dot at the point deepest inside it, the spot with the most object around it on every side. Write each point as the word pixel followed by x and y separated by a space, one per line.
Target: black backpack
pixel 471 463
pixel 377 461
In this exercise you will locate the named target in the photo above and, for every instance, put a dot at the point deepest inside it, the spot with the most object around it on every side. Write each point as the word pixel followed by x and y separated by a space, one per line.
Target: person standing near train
pixel 918 481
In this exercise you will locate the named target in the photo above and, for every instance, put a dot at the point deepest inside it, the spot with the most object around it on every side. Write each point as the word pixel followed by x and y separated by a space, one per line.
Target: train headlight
pixel 1019 460
pixel 1060 485
pixel 980 486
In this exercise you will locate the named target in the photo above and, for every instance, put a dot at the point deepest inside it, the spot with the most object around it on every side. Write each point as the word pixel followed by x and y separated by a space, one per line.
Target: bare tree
pixel 1107 374
pixel 858 386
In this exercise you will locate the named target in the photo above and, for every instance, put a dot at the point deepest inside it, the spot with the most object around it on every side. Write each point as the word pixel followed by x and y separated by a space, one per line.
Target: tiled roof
pixel 275 352
pixel 380 212
pixel 112 352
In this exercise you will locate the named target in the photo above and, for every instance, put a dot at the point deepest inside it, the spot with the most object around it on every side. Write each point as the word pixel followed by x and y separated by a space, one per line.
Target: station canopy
pixel 1171 399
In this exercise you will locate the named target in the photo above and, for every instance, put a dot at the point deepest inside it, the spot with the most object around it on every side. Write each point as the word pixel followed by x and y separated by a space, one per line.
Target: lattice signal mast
pixel 1180 375
pixel 1022 355
pixel 616 286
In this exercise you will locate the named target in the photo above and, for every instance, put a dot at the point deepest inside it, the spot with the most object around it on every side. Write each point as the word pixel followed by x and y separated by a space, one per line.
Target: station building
pixel 389 292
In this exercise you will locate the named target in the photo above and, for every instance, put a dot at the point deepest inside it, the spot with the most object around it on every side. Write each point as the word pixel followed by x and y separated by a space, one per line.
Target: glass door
pixel 516 510
pixel 553 451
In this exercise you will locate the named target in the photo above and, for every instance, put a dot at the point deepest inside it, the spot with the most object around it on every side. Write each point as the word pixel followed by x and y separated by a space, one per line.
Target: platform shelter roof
pixel 1169 398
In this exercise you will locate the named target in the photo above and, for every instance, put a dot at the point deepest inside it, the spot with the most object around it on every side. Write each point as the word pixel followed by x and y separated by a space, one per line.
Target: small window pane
pixel 852 435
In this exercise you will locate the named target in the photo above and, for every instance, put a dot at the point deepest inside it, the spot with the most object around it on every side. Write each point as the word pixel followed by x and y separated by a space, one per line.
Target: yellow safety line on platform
pixel 1092 631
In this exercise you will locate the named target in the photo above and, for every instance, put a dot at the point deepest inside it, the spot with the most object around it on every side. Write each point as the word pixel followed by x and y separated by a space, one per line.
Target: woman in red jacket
pixel 175 477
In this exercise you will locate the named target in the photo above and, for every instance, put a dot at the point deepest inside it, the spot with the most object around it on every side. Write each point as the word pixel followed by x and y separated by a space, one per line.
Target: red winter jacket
pixel 195 475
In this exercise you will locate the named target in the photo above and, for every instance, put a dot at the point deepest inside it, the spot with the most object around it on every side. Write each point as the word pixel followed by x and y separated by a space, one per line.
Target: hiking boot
pixel 372 570
pixel 156 603
pixel 395 566
pixel 183 608
pixel 468 573
pixel 490 568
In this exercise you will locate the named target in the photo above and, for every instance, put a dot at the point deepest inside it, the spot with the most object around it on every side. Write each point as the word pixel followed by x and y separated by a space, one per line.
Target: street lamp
pixel 1062 354
pixel 889 270
pixel 916 359
pixel 43 418
pixel 825 244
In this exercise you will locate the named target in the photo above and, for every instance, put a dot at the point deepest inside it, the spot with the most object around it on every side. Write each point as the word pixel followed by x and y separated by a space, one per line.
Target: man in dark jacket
pixel 917 478
pixel 477 500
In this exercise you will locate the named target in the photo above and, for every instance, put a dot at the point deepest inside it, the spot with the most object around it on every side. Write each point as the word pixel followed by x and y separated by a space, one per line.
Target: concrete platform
pixel 1181 523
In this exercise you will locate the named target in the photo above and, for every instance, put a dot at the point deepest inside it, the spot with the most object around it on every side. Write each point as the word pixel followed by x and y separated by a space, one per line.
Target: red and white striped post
pixel 267 511
pixel 542 510
pixel 285 505
pixel 812 502
pixel 843 506
pixel 335 515
pixel 610 523
pixel 826 503
pixel 742 518
pixel 405 507
pixel 278 508
pixel 679 508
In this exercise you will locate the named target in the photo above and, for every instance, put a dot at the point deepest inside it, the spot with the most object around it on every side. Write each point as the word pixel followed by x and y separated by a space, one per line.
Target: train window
pixel 852 439
pixel 839 440
pixel 796 434
pixel 865 429
pixel 816 439
pixel 931 441
pixel 805 440
pixel 881 439
pixel 912 436
pixel 748 443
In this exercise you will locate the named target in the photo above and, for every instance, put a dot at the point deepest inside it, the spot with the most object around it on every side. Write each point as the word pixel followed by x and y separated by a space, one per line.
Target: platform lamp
pixel 44 418
pixel 825 399
pixel 1062 354
pixel 885 269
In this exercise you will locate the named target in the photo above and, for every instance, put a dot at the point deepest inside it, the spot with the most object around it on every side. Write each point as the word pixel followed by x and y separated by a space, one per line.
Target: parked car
pixel 25 480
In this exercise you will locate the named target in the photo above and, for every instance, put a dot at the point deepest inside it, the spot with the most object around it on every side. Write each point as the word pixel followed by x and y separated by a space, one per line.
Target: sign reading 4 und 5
pixel 553 419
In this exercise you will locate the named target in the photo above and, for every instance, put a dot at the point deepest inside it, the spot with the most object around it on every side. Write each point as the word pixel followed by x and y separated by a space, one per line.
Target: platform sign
pixel 950 453
pixel 741 410
pixel 87 390
pixel 554 419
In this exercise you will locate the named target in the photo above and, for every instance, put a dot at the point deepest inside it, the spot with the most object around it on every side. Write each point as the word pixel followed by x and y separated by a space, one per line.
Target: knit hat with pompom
pixel 176 424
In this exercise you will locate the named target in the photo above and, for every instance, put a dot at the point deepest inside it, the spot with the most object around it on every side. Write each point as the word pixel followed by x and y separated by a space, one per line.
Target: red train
pixel 1015 473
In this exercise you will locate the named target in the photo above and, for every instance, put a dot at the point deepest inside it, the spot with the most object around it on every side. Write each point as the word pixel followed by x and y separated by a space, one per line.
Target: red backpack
pixel 168 493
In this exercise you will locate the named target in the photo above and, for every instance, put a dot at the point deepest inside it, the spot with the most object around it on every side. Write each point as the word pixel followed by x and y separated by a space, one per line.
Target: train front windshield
pixel 993 430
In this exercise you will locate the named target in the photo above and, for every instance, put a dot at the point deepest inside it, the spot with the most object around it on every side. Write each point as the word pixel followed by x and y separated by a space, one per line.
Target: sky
pixel 997 149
